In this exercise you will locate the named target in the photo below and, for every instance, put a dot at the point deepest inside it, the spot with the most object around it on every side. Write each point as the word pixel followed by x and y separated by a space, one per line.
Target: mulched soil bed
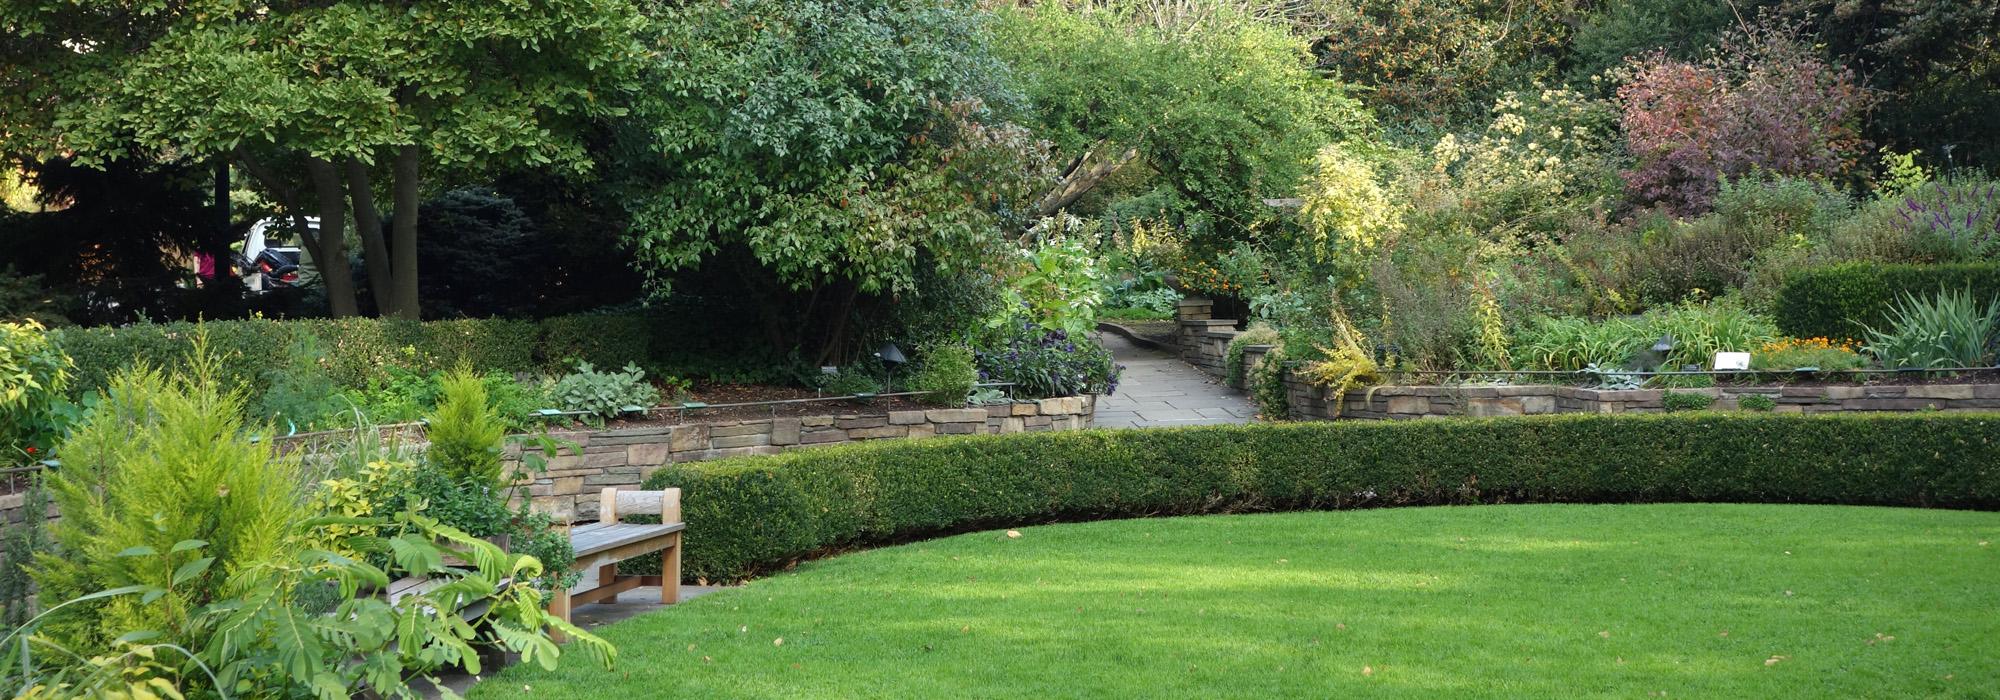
pixel 13 483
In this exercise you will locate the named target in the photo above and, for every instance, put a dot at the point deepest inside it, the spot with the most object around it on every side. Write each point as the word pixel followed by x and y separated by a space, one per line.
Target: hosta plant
pixel 604 395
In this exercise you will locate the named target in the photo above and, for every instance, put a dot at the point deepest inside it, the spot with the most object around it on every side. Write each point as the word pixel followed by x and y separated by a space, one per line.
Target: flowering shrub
pixel 1345 209
pixel 1765 103
pixel 1793 353
pixel 1952 222
pixel 1544 156
pixel 1043 363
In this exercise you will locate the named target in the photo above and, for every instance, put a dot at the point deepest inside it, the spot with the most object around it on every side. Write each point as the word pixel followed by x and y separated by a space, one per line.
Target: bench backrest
pixel 613 503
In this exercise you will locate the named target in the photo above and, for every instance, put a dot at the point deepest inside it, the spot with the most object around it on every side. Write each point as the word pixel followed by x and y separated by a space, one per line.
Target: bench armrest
pixel 613 503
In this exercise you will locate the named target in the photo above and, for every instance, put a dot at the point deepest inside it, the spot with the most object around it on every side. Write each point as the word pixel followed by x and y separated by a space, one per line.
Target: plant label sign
pixel 1732 360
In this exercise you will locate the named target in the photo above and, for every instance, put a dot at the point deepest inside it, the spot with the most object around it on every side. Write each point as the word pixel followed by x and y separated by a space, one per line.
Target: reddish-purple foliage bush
pixel 1765 102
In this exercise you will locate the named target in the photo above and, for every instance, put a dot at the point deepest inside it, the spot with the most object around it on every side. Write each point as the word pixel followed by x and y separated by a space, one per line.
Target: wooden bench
pixel 602 544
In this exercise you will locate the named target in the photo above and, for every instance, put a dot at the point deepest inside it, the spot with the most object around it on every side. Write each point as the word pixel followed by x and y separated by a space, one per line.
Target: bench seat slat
pixel 591 540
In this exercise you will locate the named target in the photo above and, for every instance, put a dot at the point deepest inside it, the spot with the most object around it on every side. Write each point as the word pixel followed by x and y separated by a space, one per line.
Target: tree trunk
pixel 836 338
pixel 403 244
pixel 368 226
pixel 219 245
pixel 1083 175
pixel 331 255
pixel 288 200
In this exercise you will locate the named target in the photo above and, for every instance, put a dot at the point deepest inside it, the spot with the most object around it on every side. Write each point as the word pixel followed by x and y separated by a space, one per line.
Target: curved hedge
pixel 756 514
pixel 1838 301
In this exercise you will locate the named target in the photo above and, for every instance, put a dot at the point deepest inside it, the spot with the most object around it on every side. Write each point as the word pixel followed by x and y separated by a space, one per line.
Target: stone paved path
pixel 1158 390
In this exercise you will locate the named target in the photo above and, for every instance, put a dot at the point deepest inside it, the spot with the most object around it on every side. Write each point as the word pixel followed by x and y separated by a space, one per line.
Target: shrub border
pixel 752 516
pixel 1840 300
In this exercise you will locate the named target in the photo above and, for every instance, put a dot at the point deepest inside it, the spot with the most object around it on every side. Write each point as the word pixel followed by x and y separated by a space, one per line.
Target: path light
pixel 1654 357
pixel 891 356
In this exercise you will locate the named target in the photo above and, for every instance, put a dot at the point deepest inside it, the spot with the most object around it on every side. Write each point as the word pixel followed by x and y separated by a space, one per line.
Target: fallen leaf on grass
pixel 1368 670
pixel 1773 661
pixel 1605 634
pixel 778 642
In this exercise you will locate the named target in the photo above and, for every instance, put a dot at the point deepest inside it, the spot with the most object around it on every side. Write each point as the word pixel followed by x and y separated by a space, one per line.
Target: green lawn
pixel 1695 601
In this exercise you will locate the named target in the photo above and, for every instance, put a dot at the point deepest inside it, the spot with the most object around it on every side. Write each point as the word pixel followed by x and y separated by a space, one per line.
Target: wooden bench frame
pixel 601 545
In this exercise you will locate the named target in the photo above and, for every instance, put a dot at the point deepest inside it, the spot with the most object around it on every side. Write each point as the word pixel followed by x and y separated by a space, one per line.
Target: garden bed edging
pixel 1204 343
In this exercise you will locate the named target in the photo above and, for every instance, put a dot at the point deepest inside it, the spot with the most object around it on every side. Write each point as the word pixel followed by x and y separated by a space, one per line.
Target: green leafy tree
pixel 1224 106
pixel 841 148
pixel 321 102
pixel 1431 66
pixel 1939 60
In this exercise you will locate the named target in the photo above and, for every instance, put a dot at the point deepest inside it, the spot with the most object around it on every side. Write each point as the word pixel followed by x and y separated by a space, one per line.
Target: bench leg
pixel 559 608
pixel 670 573
pixel 607 575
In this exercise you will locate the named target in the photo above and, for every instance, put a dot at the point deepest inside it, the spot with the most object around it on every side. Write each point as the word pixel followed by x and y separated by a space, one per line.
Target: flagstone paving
pixel 1158 390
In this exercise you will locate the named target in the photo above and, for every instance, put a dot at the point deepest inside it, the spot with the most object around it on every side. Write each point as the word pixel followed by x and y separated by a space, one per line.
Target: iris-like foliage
pixel 1951 329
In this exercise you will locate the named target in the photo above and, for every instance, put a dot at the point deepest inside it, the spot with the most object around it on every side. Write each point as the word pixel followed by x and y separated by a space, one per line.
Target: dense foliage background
pixel 818 178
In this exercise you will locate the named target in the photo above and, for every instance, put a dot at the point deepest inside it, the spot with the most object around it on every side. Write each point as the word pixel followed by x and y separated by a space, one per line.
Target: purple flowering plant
pixel 1959 222
pixel 1044 363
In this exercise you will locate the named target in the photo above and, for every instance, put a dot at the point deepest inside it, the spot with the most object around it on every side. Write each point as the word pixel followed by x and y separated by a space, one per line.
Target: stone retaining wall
pixel 624 457
pixel 1406 402
pixel 1309 402
pixel 1203 341
pixel 13 512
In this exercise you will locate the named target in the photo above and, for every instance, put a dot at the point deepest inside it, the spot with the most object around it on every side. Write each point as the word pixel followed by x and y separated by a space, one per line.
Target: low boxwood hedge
pixel 1841 301
pixel 754 515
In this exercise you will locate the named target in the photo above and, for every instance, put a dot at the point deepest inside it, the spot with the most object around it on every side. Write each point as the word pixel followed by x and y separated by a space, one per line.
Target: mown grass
pixel 1487 601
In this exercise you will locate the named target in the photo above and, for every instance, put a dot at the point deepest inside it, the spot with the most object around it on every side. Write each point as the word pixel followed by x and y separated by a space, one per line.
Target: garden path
pixel 1159 390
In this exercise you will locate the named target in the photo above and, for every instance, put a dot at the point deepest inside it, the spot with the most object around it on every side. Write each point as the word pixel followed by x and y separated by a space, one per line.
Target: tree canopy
pixel 1224 106
pixel 836 142
pixel 328 93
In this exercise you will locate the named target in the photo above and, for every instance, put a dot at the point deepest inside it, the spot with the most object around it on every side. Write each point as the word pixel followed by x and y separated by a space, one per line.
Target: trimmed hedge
pixel 755 515
pixel 358 350
pixel 1836 302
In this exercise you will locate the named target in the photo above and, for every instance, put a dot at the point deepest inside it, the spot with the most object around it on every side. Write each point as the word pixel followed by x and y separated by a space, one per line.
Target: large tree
pixel 1223 105
pixel 841 149
pixel 328 104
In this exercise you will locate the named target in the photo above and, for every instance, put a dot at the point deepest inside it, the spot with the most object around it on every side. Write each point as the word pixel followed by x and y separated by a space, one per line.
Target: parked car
pixel 266 261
